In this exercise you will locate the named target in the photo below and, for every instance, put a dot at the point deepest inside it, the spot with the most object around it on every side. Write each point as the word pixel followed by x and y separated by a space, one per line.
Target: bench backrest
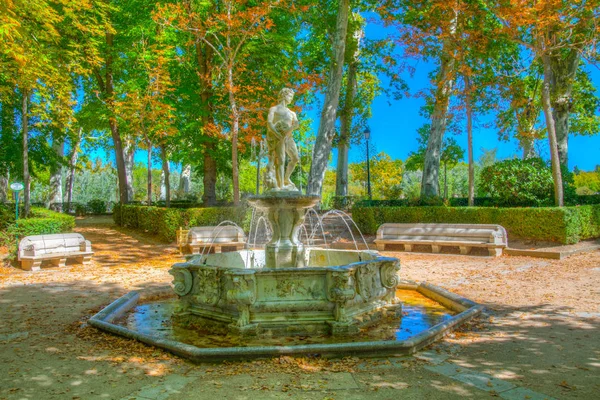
pixel 214 234
pixel 481 232
pixel 40 245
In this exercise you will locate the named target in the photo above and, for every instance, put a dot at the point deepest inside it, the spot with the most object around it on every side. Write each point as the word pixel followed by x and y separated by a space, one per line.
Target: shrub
pixel 40 222
pixel 164 222
pixel 96 206
pixel 519 182
pixel 565 224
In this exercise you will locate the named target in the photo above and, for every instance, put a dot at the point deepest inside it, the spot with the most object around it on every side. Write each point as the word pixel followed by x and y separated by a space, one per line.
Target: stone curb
pixel 467 310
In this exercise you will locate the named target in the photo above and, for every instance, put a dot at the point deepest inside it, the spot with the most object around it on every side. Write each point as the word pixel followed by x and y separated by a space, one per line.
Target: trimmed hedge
pixel 40 222
pixel 564 225
pixel 164 222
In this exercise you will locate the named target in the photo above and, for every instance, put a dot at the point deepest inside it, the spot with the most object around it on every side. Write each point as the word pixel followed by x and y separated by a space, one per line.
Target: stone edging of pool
pixel 466 310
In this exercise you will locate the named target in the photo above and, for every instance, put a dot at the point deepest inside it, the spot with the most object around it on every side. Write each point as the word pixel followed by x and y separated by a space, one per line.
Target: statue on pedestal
pixel 281 123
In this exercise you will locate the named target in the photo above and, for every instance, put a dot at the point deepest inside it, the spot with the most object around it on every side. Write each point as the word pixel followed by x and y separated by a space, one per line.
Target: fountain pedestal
pixel 285 212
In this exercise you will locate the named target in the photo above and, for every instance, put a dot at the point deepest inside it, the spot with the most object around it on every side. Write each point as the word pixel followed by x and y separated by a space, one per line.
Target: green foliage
pixel 40 222
pixel 564 225
pixel 96 206
pixel 164 222
pixel 519 181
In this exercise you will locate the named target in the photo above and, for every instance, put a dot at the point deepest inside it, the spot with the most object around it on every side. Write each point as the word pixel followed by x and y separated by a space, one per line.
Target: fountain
pixel 286 288
pixel 288 298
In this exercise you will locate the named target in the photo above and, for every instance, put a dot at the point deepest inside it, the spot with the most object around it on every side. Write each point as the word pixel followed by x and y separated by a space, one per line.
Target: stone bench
pixel 57 248
pixel 463 236
pixel 216 237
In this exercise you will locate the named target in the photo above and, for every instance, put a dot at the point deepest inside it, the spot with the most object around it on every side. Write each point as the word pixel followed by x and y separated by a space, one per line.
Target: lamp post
pixel 17 187
pixel 367 137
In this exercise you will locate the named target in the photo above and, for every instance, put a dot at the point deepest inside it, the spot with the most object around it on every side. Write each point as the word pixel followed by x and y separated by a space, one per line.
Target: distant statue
pixel 280 142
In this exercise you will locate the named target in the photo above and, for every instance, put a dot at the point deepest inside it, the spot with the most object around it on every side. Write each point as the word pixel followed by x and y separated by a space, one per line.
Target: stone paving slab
pixel 447 369
pixel 484 382
pixel 520 393
pixel 172 385
pixel 334 381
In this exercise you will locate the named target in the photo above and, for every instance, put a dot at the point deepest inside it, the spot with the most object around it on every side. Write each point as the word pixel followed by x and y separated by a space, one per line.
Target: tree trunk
pixel 564 70
pixel 149 144
pixel 527 146
pixel 128 153
pixel 341 182
pixel 322 148
pixel 56 181
pixel 204 58
pixel 445 83
pixel 4 188
pixel 469 108
pixel 184 180
pixel 209 198
pixel 72 165
pixel 167 175
pixel 108 88
pixel 445 181
pixel 235 123
pixel 25 130
pixel 554 157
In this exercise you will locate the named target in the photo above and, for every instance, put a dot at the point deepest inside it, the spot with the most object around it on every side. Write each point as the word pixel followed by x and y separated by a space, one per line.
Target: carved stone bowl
pixel 337 292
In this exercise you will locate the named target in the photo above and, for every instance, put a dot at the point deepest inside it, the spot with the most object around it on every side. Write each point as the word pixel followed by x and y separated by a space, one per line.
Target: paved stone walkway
pixel 383 378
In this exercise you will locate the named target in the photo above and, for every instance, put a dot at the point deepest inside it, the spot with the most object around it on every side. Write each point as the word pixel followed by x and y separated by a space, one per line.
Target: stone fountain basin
pixel 338 292
pixel 465 309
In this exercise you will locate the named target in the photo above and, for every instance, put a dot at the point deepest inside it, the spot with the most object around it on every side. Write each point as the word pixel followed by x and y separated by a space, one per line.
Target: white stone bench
pixel 205 237
pixel 57 248
pixel 463 236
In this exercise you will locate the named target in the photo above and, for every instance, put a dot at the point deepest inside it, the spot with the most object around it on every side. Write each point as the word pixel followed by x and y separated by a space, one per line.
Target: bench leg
pixel 59 262
pixel 495 252
pixel 408 247
pixel 464 250
pixel 31 265
pixel 217 249
pixel 85 260
pixel 435 248
pixel 380 246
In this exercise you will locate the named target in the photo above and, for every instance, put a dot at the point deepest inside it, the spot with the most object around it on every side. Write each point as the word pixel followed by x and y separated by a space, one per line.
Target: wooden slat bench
pixel 463 236
pixel 56 248
pixel 202 237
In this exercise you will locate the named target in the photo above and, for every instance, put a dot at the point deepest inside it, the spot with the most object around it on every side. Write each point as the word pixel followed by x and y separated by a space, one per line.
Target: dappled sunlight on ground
pixel 541 332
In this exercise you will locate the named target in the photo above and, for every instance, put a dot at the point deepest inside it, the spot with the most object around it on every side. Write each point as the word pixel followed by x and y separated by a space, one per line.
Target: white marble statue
pixel 281 123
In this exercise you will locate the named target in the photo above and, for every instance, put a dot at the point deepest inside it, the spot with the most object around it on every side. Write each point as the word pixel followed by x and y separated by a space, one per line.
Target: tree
pixel 386 176
pixel 451 154
pixel 326 132
pixel 557 33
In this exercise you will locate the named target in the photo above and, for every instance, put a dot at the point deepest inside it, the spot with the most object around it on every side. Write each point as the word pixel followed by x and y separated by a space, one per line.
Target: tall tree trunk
pixel 204 57
pixel 4 187
pixel 149 144
pixel 25 130
pixel 527 146
pixel 554 157
pixel 184 180
pixel 128 153
pixel 439 117
pixel 56 181
pixel 235 126
pixel 322 148
pixel 72 165
pixel 108 87
pixel 564 70
pixel 446 181
pixel 469 107
pixel 167 175
pixel 341 182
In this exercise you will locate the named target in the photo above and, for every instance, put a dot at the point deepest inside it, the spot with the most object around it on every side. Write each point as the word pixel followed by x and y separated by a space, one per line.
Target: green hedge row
pixel 164 222
pixel 40 222
pixel 564 225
